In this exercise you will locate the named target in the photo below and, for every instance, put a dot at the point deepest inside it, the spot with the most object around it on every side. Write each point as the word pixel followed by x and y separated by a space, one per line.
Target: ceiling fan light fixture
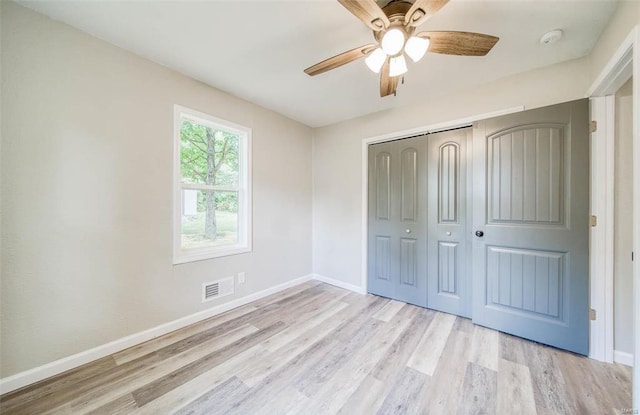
pixel 397 66
pixel 416 47
pixel 375 60
pixel 392 41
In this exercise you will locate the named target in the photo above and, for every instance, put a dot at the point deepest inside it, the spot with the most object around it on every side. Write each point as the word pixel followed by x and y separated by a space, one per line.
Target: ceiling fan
pixel 394 27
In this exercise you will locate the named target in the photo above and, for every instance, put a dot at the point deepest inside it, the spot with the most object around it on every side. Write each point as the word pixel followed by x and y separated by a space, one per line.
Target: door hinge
pixel 593 220
pixel 592 314
pixel 631 256
pixel 593 126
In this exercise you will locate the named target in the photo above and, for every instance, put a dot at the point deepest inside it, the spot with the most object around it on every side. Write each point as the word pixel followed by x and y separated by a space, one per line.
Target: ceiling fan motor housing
pixel 396 11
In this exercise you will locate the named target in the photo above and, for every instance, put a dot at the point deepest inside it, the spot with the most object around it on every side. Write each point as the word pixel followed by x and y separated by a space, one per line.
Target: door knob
pixel 448 233
pixel 407 230
pixel 479 234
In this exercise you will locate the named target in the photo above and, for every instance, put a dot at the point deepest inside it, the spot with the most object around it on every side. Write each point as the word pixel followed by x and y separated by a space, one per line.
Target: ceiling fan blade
pixel 459 43
pixel 388 84
pixel 339 60
pixel 368 12
pixel 422 10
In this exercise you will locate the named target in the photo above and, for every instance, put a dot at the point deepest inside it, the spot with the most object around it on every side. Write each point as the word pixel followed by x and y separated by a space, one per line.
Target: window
pixel 212 215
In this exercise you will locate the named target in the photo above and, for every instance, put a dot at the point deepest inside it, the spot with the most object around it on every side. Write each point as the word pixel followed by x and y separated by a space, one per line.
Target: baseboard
pixel 30 376
pixel 339 283
pixel 623 358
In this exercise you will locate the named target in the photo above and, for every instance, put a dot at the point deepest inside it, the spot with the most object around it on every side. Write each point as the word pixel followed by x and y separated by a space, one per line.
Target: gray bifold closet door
pixel 448 241
pixel 398 221
pixel 531 209
pixel 417 249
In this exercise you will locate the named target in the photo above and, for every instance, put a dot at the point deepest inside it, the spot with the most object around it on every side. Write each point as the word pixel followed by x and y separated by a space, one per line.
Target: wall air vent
pixel 216 289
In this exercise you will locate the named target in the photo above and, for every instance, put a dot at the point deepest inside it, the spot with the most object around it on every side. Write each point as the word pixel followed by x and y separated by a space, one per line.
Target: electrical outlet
pixel 241 278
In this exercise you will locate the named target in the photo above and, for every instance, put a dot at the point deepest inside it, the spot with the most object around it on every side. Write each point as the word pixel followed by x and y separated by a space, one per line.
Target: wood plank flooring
pixel 318 349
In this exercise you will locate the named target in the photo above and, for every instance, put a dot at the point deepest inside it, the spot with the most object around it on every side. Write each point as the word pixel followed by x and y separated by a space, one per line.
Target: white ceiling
pixel 257 50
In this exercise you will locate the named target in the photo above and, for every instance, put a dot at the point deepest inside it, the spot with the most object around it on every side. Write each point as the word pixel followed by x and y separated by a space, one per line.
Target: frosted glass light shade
pixel 375 60
pixel 397 66
pixel 416 47
pixel 392 41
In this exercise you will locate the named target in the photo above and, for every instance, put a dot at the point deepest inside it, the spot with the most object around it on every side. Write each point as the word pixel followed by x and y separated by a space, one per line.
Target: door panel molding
pixel 383 185
pixel 409 186
pixel 448 178
pixel 408 262
pixel 448 268
pixel 383 257
pixel 532 284
pixel 525 186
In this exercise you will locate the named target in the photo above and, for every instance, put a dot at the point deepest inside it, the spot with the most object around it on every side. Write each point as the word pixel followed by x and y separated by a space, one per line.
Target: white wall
pixel 337 153
pixel 626 16
pixel 623 218
pixel 86 176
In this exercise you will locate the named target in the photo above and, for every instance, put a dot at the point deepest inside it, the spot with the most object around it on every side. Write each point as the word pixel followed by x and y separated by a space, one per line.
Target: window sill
pixel 192 255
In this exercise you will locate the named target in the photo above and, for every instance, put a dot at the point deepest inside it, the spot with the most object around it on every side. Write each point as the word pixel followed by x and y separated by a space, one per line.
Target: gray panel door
pixel 448 277
pixel 530 260
pixel 397 221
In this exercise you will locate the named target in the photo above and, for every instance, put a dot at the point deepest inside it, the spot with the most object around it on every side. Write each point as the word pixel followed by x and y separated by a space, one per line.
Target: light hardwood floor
pixel 319 349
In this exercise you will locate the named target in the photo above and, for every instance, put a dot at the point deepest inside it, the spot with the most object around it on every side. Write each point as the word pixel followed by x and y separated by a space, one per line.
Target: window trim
pixel 244 245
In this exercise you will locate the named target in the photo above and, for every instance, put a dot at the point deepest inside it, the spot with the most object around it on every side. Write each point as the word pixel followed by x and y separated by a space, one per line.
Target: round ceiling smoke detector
pixel 551 37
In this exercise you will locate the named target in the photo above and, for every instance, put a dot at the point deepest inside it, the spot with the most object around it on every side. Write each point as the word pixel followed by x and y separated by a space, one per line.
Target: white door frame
pixel 622 65
pixel 601 236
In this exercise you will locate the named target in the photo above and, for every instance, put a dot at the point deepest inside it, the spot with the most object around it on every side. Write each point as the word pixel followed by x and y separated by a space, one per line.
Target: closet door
pixel 397 220
pixel 531 209
pixel 448 274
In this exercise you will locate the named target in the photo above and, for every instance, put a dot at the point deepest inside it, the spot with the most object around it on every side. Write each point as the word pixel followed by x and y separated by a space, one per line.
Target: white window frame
pixel 243 245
